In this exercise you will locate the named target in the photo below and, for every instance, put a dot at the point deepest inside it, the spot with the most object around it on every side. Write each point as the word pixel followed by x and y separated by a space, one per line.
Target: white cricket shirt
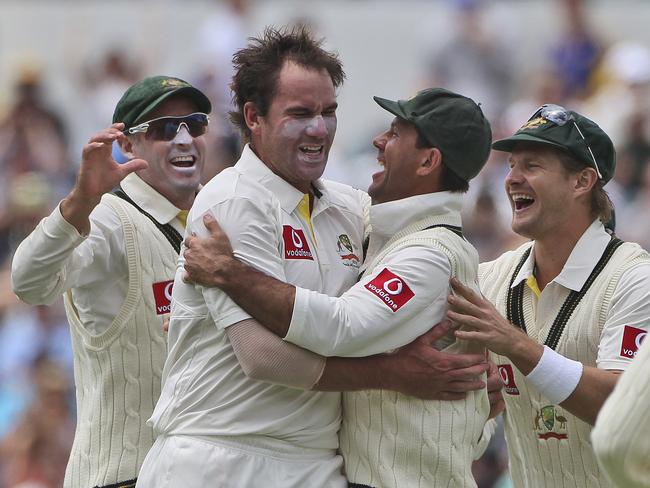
pixel 630 305
pixel 205 391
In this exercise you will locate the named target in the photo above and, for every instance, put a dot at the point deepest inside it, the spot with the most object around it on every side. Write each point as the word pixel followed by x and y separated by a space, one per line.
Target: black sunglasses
pixel 166 128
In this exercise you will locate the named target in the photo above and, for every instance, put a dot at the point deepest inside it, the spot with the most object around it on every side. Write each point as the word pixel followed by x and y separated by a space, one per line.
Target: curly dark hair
pixel 258 65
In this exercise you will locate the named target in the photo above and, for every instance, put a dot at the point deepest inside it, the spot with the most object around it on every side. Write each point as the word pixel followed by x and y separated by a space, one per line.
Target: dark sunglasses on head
pixel 166 128
pixel 560 116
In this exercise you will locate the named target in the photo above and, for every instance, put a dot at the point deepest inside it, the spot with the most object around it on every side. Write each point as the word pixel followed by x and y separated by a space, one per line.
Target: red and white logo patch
pixel 632 340
pixel 508 377
pixel 162 293
pixel 295 244
pixel 390 289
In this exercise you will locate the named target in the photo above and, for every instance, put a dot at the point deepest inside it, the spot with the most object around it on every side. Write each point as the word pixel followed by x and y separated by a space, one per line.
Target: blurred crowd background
pixel 65 63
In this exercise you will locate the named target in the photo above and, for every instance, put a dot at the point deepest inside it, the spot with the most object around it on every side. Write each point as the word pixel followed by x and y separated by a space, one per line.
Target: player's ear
pixel 585 180
pixel 432 159
pixel 252 117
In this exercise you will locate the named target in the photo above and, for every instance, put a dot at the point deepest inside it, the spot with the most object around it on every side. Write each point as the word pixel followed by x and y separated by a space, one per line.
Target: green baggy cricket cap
pixel 569 131
pixel 146 95
pixel 451 122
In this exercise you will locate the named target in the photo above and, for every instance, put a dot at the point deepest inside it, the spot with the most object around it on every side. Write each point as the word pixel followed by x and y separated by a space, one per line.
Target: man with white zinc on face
pixel 436 143
pixel 113 256
pixel 220 421
pixel 568 306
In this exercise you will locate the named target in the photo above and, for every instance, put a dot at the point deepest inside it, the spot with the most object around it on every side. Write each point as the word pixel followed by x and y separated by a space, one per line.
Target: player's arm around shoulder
pixel 398 301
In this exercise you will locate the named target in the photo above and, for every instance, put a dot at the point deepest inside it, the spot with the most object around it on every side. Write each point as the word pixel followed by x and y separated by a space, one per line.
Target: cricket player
pixel 112 256
pixel 568 306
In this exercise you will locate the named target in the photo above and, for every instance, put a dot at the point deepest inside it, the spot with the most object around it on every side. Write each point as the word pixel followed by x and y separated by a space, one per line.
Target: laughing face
pixel 295 136
pixel 541 192
pixel 175 166
pixel 400 158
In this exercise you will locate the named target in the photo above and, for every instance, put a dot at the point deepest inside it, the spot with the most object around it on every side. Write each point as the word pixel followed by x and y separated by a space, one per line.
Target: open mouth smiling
pixel 183 161
pixel 522 201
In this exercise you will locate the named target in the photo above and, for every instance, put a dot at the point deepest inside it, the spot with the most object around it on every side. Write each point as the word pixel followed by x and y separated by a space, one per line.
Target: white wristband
pixel 555 376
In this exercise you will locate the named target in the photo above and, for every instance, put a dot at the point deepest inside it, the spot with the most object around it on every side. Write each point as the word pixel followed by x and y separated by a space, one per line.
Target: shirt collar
pixel 149 199
pixel 288 195
pixel 386 219
pixel 581 262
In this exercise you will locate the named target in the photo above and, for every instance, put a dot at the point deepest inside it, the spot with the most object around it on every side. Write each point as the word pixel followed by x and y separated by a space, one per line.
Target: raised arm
pixel 52 258
pixel 99 173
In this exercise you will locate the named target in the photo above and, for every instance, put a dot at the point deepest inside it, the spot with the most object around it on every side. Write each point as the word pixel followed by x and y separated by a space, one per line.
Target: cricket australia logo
pixel 295 244
pixel 345 248
pixel 548 424
pixel 534 123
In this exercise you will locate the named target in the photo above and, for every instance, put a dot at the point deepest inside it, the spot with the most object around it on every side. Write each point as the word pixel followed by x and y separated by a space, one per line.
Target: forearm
pixel 594 388
pixel 266 299
pixel 265 357
pixel 354 374
pixel 76 209
pixel 38 266
pixel 591 391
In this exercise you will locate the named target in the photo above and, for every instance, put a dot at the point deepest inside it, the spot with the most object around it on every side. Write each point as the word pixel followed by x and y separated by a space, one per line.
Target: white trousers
pixel 188 462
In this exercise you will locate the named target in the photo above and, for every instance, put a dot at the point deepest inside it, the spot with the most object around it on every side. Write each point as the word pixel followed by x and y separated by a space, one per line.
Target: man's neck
pixel 553 251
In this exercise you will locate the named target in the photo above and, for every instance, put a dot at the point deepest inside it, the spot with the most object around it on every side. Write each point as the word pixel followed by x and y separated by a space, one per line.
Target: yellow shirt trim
pixel 305 213
pixel 182 216
pixel 531 281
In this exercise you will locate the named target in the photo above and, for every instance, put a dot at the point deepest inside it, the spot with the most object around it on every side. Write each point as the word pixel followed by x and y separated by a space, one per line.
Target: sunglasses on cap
pixel 166 128
pixel 560 116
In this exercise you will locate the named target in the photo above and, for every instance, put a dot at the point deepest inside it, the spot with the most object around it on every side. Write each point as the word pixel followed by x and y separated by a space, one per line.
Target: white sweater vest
pixel 548 446
pixel 392 440
pixel 117 373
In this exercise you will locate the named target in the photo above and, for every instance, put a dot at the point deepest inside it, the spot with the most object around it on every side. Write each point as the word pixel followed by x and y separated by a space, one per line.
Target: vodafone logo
pixel 393 286
pixel 297 240
pixel 508 377
pixel 390 289
pixel 632 340
pixel 162 294
pixel 295 244
pixel 168 291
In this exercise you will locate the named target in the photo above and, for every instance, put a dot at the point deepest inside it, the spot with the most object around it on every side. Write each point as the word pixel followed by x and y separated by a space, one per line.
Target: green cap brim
pixel 509 143
pixel 202 102
pixel 391 106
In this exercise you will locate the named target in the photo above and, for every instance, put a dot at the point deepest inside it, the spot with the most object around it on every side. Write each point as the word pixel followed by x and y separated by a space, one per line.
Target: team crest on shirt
pixel 549 424
pixel 162 294
pixel 632 340
pixel 345 248
pixel 508 377
pixel 295 244
pixel 390 289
